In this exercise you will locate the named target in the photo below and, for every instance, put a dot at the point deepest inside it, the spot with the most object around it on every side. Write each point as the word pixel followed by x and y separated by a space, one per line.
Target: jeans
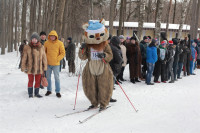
pixel 179 70
pixel 192 65
pixel 55 70
pixel 150 68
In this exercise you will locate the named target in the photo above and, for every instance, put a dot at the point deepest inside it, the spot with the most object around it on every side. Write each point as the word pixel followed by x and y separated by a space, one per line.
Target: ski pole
pixel 122 89
pixel 78 83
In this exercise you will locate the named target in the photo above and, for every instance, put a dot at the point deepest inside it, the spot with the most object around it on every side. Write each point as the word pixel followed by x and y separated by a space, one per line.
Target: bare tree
pixel 111 17
pixel 159 8
pixel 168 17
pixel 141 18
pixel 121 17
pixel 16 23
pixel 3 30
pixel 193 19
pixel 183 15
pixel 174 11
pixel 59 15
pixel 23 20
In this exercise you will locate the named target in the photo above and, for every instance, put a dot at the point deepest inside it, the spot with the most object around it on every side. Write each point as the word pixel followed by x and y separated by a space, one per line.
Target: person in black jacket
pixel 70 56
pixel 116 62
pixel 176 57
pixel 170 60
pixel 182 55
pixel 187 57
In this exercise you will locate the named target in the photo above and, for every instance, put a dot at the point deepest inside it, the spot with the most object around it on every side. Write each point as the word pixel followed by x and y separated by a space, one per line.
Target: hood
pixel 54 33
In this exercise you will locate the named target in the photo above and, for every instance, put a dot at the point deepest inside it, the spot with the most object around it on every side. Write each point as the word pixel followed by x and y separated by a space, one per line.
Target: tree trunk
pixel 44 21
pixel 141 18
pixel 121 18
pixel 3 34
pixel 9 25
pixel 124 16
pixel 158 18
pixel 193 19
pixel 168 17
pixel 16 24
pixel 23 21
pixel 111 17
pixel 197 20
pixel 59 18
pixel 174 12
pixel 39 25
pixel 65 17
pixel 149 10
pixel 183 15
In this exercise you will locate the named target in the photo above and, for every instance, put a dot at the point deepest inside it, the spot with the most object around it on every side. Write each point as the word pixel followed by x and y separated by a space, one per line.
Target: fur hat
pixel 35 35
pixel 121 37
pixel 95 32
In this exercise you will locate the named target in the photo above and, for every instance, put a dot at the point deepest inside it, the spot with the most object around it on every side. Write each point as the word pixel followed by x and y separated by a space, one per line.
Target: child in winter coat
pixel 193 57
pixel 34 63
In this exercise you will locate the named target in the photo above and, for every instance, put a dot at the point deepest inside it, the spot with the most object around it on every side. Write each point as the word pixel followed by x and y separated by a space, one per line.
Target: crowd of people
pixel 164 60
pixel 150 57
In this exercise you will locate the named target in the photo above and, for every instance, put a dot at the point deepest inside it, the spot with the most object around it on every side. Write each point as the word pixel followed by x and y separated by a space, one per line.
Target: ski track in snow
pixel 163 108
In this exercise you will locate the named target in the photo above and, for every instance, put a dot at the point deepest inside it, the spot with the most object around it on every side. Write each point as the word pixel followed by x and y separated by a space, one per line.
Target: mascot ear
pixel 102 21
pixel 85 26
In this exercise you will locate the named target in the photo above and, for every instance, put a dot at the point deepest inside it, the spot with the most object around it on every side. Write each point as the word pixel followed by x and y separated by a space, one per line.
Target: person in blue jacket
pixel 152 57
pixel 193 57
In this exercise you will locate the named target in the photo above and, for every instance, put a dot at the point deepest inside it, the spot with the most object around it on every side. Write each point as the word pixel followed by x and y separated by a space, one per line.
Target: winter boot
pixel 113 100
pixel 30 92
pixel 36 92
pixel 133 81
pixel 48 93
pixel 122 79
pixel 150 83
pixel 172 81
pixel 136 80
pixel 58 95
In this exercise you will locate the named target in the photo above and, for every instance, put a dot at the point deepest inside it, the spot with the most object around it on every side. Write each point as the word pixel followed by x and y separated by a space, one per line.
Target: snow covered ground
pixel 163 108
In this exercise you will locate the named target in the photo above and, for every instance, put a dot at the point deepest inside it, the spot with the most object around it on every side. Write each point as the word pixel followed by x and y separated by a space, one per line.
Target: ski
pixel 77 112
pixel 91 116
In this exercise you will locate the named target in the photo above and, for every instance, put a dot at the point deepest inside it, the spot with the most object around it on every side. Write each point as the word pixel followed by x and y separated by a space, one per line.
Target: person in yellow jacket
pixel 55 52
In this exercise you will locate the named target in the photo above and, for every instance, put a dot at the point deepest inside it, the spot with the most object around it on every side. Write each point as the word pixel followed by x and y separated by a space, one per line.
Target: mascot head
pixel 95 32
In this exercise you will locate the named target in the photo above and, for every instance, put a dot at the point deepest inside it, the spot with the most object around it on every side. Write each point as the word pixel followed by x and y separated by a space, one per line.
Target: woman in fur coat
pixel 34 63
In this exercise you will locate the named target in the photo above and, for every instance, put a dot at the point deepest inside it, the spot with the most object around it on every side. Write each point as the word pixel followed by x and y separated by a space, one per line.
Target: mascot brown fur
pixel 97 77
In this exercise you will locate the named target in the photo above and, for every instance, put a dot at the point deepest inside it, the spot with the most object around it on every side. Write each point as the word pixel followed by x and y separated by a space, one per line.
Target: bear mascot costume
pixel 97 77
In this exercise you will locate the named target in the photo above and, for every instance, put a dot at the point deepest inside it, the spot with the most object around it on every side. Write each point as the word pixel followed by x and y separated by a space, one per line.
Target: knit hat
pixel 43 33
pixel 145 37
pixel 163 43
pixel 35 35
pixel 128 38
pixel 170 42
pixel 133 38
pixel 121 37
pixel 69 38
pixel 175 41
pixel 95 27
pixel 149 37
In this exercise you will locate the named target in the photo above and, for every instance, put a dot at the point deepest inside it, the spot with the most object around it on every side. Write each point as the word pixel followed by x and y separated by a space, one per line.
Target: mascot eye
pixel 102 34
pixel 91 36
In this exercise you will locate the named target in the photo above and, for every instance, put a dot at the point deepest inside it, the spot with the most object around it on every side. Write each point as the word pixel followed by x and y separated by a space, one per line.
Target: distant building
pixel 148 29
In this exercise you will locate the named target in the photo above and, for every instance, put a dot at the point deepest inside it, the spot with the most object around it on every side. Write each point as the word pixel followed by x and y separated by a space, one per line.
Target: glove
pixel 101 55
pixel 83 46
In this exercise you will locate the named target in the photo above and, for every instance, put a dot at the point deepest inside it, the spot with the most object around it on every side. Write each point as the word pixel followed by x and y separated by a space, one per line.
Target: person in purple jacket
pixel 151 60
